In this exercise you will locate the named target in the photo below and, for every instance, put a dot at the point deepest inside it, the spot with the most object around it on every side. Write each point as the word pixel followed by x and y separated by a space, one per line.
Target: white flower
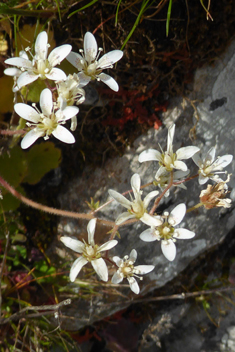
pixel 46 123
pixel 136 207
pixel 90 253
pixel 166 232
pixel 90 66
pixel 129 271
pixel 169 160
pixel 70 91
pixel 209 168
pixel 163 179
pixel 40 66
pixel 15 72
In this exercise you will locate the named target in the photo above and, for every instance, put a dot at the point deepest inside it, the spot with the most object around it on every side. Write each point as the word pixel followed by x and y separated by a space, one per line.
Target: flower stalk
pixel 50 210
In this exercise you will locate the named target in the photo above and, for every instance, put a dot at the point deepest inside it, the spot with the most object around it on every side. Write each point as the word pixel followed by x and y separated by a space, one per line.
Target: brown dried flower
pixel 214 196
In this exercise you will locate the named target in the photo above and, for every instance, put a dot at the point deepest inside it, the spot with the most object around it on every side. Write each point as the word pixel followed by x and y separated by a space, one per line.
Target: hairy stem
pixel 50 210
pixel 10 133
pixel 158 199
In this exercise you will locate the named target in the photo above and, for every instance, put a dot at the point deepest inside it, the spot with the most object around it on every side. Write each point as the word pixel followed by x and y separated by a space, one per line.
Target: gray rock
pixel 213 96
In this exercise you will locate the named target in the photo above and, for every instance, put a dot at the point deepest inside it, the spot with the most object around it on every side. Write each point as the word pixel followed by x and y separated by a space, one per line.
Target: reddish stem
pixel 50 210
pixel 10 133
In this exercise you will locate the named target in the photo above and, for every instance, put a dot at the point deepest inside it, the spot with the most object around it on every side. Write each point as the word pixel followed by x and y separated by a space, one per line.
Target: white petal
pixel 63 135
pixel 133 285
pixel 108 245
pixel 23 55
pixel 149 155
pixel 170 137
pixel 27 112
pixel 109 81
pixel 26 78
pixel 56 74
pixel 168 249
pixel 46 102
pixel 148 235
pixel 117 260
pixel 177 214
pixel 202 180
pixel 117 278
pixel 110 58
pixel 41 47
pixel 59 54
pixel 186 152
pixel 183 234
pixel 120 198
pixel 74 244
pixel 222 162
pixel 124 217
pixel 144 269
pixel 75 60
pixel 149 197
pixel 84 79
pixel 133 255
pixel 180 174
pixel 197 159
pixel 19 62
pixel 91 231
pixel 76 268
pixel 101 268
pixel 90 47
pixel 12 71
pixel 68 112
pixel 151 220
pixel 135 184
pixel 30 138
pixel 74 123
pixel 180 165
pixel 162 172
pixel 210 156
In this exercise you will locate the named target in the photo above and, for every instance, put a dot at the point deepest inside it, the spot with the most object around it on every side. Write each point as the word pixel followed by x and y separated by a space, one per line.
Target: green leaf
pixel 168 17
pixel 41 159
pixel 10 203
pixel 13 167
pixel 33 93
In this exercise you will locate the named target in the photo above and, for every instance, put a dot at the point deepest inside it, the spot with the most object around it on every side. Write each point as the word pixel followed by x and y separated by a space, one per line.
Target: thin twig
pixel 21 313
pixel 2 268
pixel 181 296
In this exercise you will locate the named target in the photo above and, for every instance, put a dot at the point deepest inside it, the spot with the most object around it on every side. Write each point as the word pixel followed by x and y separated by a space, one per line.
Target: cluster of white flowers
pixel 164 228
pixel 57 106
pixel 40 65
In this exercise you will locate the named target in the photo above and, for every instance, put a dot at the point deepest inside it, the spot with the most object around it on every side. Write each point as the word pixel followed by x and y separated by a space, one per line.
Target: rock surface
pixel 212 102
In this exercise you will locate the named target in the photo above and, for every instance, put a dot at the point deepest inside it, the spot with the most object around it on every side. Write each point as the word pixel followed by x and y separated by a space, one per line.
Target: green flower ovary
pixel 137 208
pixel 91 69
pixel 126 269
pixel 91 252
pixel 48 124
pixel 42 67
pixel 168 161
pixel 165 231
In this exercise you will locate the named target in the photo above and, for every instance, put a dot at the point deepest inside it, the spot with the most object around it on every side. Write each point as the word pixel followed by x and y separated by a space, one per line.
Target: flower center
pixel 91 252
pixel 41 67
pixel 137 208
pixel 48 124
pixel 165 231
pixel 168 161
